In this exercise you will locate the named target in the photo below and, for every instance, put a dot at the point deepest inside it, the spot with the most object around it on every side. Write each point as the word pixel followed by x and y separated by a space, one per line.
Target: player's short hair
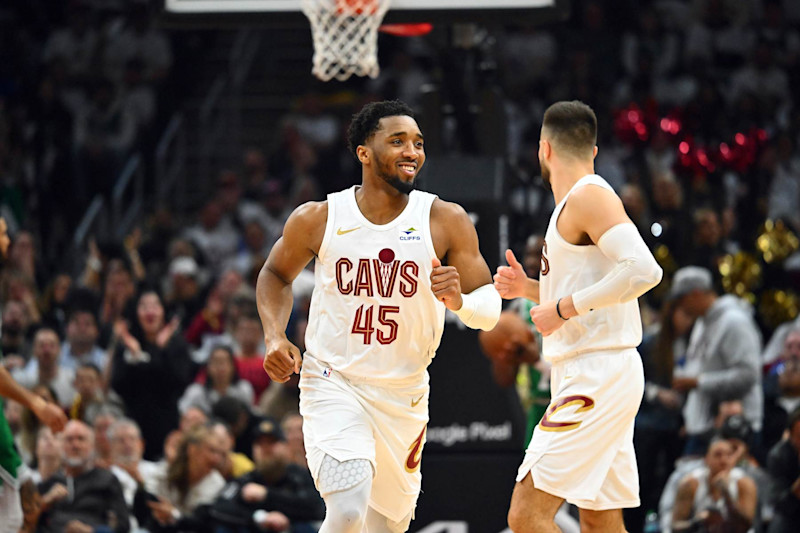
pixel 365 123
pixel 571 127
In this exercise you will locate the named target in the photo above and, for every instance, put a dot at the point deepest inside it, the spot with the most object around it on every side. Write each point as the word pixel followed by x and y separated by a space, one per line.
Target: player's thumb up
pixel 512 259
pixel 436 263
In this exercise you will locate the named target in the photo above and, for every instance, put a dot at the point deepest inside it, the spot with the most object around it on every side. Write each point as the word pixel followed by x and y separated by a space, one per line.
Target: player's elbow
pixel 481 308
pixel 654 274
pixel 648 273
pixel 642 276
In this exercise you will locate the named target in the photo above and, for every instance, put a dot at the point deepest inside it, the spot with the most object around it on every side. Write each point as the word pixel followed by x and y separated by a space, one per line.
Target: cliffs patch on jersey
pixel 410 234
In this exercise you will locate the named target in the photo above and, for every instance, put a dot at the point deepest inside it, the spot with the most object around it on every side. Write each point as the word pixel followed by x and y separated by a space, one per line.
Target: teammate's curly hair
pixel 365 122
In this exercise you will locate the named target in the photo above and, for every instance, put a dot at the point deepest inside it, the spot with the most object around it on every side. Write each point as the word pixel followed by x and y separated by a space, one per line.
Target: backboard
pixel 287 12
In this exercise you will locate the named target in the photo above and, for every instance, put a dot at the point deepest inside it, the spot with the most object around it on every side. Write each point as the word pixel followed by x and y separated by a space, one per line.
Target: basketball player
pixel 11 517
pixel 375 321
pixel 594 267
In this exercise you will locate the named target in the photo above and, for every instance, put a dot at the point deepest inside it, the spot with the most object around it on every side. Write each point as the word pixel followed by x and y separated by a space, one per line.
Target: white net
pixel 345 36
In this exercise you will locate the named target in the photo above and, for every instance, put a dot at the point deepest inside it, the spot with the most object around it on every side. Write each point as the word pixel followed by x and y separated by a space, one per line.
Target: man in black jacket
pixel 783 465
pixel 276 496
pixel 82 498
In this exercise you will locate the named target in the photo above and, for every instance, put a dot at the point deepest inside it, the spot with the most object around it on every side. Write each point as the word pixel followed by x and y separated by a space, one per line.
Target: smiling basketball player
pixel 376 319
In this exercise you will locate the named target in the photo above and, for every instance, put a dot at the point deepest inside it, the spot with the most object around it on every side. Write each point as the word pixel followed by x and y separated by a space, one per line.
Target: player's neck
pixel 380 204
pixel 563 178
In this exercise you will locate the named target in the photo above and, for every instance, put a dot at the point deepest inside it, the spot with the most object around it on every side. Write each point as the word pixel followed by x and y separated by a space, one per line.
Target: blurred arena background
pixel 164 143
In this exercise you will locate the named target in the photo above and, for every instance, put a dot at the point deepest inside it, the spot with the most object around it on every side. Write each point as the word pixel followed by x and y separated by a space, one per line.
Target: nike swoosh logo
pixel 340 231
pixel 415 403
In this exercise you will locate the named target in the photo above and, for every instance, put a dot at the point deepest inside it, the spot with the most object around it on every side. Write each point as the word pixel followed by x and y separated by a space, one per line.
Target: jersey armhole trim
pixel 427 218
pixel 591 179
pixel 329 224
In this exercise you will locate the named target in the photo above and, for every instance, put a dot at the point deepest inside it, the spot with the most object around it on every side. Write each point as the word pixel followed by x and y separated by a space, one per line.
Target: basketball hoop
pixel 345 34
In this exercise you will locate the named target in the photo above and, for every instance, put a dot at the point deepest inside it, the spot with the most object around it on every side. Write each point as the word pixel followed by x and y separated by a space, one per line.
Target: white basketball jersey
pixel 373 314
pixel 568 268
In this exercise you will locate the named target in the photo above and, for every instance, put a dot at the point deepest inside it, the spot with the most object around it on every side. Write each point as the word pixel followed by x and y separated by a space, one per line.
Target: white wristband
pixel 481 308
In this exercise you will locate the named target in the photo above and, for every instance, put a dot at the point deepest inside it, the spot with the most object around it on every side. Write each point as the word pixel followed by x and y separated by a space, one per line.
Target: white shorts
pixel 348 419
pixel 582 450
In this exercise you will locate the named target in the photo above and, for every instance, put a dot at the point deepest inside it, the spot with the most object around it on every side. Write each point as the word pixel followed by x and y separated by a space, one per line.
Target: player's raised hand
pixel 510 281
pixel 282 358
pixel 446 285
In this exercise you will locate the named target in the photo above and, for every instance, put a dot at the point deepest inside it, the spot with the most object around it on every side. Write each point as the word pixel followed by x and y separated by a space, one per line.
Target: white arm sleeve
pixel 636 272
pixel 481 308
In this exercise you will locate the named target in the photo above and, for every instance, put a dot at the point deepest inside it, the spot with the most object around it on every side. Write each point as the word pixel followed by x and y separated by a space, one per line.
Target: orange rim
pixel 407 30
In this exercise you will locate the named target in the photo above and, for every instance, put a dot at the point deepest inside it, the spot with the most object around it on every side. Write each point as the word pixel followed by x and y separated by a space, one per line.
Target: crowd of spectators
pixel 154 348
pixel 81 87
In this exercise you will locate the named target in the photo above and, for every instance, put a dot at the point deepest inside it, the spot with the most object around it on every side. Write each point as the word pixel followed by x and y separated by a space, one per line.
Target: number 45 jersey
pixel 373 316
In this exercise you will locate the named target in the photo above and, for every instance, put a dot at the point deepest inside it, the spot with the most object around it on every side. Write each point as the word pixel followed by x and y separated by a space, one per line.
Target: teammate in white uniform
pixel 376 319
pixel 594 267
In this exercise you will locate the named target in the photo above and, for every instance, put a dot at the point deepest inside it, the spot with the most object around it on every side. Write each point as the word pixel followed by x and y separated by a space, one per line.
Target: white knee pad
pixel 346 510
pixel 335 476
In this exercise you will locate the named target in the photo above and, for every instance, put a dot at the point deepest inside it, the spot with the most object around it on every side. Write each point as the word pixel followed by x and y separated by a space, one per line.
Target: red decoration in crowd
pixel 634 125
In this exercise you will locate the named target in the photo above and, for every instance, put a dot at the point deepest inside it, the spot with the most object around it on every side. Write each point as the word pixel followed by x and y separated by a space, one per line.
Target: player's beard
pixel 404 187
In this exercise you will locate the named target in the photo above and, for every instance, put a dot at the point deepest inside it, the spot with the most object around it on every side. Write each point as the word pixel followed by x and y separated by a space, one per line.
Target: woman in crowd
pixel 222 379
pixel 49 449
pixel 187 485
pixel 30 425
pixel 151 369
